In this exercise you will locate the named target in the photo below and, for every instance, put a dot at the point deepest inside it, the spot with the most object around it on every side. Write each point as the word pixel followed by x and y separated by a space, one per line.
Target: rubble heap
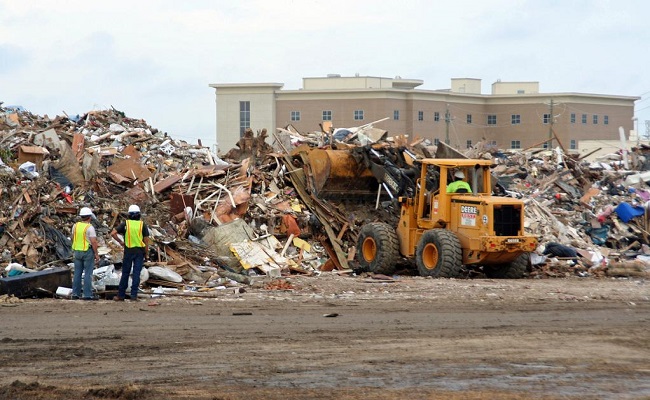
pixel 256 211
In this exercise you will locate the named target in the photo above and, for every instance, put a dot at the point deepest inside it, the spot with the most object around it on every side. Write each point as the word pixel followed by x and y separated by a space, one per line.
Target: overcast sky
pixel 155 59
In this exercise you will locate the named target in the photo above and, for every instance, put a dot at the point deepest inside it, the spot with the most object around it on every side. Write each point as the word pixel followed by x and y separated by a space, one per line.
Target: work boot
pixel 118 298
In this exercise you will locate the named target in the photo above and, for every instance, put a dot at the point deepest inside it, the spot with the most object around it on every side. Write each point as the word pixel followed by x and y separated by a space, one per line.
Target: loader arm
pixel 395 180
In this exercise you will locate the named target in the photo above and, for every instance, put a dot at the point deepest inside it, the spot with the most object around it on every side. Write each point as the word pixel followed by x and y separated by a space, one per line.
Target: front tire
pixel 378 248
pixel 516 269
pixel 439 254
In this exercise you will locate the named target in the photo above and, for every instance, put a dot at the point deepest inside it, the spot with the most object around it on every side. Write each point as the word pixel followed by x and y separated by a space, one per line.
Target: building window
pixel 244 116
pixel 469 144
pixel 515 144
pixel 436 116
pixel 436 141
pixel 547 118
pixel 469 118
pixel 492 120
pixel 396 115
pixel 358 115
pixel 295 115
pixel 516 119
pixel 420 115
pixel 605 119
pixel 327 115
pixel 573 118
pixel 573 144
pixel 595 119
pixel 584 118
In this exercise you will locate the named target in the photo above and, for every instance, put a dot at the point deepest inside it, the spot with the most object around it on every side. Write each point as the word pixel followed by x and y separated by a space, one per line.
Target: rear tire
pixel 516 269
pixel 439 254
pixel 378 248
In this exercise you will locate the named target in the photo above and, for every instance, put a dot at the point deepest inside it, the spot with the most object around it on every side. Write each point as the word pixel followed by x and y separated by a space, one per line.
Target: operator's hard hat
pixel 459 175
pixel 134 208
pixel 85 212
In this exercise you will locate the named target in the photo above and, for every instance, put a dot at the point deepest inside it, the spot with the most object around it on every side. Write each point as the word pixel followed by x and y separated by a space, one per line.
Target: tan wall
pixel 342 83
pixel 531 130
pixel 311 113
pixel 271 108
pixel 515 87
pixel 592 150
pixel 466 85
pixel 263 112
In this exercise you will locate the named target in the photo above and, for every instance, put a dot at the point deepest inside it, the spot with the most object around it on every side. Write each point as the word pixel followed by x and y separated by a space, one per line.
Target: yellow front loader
pixel 442 232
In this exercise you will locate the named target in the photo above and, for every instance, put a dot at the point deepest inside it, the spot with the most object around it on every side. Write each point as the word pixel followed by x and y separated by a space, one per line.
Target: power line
pixel 641 109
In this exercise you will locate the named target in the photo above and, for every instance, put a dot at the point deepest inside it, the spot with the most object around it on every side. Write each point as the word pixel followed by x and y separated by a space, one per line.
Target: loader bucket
pixel 334 173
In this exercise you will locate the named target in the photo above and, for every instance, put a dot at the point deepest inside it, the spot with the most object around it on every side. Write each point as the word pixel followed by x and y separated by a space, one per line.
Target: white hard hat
pixel 134 208
pixel 459 175
pixel 85 212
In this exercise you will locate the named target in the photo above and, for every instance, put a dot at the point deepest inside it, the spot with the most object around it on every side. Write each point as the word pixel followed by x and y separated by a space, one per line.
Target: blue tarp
pixel 14 108
pixel 599 235
pixel 627 211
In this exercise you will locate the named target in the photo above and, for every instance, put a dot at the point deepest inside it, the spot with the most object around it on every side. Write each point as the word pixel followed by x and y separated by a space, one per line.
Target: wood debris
pixel 262 209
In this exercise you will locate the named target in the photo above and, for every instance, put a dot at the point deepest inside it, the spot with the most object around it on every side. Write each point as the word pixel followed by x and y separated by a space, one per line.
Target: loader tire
pixel 516 269
pixel 378 248
pixel 439 254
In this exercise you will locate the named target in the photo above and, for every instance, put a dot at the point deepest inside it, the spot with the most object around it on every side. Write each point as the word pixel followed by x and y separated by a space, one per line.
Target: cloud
pixel 155 59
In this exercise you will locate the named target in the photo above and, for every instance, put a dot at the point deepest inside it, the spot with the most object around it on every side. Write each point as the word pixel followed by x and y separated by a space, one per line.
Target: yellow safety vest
pixel 79 242
pixel 133 236
pixel 454 186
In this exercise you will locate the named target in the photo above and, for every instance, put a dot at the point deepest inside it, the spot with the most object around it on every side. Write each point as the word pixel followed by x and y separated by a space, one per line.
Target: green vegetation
pixel 6 155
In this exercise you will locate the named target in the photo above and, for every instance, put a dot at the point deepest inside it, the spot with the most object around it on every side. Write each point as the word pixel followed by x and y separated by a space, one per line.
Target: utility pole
pixel 550 127
pixel 447 121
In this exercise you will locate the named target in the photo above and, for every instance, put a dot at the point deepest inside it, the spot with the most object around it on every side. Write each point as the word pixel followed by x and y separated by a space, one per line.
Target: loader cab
pixel 474 175
pixel 433 200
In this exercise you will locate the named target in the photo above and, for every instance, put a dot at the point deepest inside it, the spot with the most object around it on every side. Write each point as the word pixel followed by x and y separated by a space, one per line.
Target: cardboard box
pixel 34 154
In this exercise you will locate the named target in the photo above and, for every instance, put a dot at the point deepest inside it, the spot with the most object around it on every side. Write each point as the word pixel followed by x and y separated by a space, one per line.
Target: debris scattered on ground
pixel 273 207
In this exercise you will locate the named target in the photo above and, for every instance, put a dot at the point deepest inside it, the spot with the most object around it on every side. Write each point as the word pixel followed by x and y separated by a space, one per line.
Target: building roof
pixel 246 85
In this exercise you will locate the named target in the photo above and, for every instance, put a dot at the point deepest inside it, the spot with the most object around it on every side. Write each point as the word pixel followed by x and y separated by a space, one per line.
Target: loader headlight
pixel 485 219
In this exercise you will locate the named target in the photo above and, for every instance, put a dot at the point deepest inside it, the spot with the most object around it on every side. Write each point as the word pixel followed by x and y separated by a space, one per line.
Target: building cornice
pixel 274 85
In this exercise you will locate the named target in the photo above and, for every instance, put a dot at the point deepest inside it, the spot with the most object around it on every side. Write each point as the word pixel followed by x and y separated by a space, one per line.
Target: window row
pixel 515 119
pixel 514 144
pixel 594 119
pixel 245 122
pixel 327 115
pixel 436 116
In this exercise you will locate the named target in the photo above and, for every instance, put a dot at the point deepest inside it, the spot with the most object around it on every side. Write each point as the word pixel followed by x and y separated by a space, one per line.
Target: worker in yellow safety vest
pixel 135 240
pixel 459 183
pixel 84 247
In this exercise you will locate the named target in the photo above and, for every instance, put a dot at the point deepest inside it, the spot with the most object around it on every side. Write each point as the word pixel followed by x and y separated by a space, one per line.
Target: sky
pixel 154 59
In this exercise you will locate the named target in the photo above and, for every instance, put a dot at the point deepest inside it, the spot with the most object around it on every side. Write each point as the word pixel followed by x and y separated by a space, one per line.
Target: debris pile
pixel 599 209
pixel 214 223
pixel 273 207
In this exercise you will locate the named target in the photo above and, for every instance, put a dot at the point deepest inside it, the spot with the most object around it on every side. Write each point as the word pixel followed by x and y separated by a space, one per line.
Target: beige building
pixel 515 115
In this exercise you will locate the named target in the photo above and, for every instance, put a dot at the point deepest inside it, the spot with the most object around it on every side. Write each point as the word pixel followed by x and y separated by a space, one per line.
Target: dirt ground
pixel 334 337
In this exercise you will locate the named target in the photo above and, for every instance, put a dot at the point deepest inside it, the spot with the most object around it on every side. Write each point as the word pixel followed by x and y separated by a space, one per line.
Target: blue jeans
pixel 84 261
pixel 132 260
